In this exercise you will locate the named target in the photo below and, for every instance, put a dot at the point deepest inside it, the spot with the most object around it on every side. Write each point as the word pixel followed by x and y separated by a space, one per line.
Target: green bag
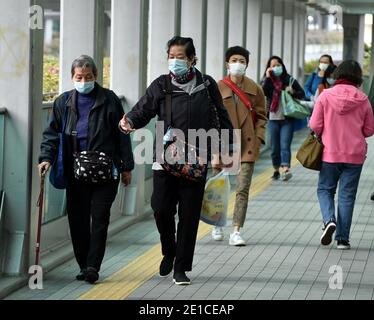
pixel 310 152
pixel 291 107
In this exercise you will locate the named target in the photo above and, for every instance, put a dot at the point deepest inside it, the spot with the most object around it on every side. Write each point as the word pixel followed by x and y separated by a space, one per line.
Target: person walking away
pixel 342 118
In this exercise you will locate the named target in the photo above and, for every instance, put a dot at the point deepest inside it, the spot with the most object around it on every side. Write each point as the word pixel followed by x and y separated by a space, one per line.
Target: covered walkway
pixel 139 30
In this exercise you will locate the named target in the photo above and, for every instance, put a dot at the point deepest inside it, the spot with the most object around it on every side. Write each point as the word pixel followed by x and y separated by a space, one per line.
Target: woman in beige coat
pixel 252 125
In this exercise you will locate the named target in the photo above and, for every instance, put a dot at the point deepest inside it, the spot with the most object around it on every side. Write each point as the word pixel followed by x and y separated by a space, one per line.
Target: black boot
pixel 166 266
pixel 180 278
pixel 91 275
pixel 81 275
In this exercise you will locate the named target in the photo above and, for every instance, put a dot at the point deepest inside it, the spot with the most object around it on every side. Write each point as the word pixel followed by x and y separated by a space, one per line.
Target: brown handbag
pixel 310 152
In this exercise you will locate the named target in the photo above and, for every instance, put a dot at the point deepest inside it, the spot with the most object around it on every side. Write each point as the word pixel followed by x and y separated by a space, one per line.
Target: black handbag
pixel 57 176
pixel 91 166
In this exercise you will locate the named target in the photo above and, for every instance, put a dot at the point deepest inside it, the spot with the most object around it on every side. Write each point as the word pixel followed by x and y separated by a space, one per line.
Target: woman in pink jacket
pixel 343 117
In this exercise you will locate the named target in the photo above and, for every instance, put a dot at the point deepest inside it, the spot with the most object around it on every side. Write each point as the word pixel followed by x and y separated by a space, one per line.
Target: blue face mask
pixel 178 67
pixel 330 81
pixel 84 87
pixel 277 71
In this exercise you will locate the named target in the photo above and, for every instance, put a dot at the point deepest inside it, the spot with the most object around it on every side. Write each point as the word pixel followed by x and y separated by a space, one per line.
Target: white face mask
pixel 323 66
pixel 237 69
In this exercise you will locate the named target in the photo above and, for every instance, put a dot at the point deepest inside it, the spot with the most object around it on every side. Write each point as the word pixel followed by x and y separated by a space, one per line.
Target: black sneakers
pixel 328 231
pixel 343 245
pixel 81 275
pixel 372 197
pixel 276 175
pixel 181 279
pixel 91 275
pixel 166 266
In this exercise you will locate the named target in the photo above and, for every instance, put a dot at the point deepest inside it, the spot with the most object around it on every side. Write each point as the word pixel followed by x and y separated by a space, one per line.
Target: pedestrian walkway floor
pixel 283 258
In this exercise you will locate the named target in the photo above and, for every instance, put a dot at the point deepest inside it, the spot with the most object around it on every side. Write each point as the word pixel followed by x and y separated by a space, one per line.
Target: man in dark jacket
pixel 91 114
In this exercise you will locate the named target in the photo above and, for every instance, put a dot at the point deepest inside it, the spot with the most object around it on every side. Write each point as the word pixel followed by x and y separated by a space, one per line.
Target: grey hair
pixel 84 61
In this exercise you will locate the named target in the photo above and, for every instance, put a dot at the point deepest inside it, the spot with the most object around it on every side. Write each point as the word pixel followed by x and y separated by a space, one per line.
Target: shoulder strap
pixel 242 96
pixel 291 82
pixel 64 100
pixel 168 107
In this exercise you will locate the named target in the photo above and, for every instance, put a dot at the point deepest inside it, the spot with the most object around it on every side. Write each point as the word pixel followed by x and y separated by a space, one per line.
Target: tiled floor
pixel 283 258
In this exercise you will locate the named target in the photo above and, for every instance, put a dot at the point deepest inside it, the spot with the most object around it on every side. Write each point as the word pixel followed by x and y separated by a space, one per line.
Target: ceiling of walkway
pixel 348 6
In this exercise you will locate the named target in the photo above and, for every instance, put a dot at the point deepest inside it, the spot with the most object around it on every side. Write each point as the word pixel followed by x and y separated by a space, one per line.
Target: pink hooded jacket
pixel 344 118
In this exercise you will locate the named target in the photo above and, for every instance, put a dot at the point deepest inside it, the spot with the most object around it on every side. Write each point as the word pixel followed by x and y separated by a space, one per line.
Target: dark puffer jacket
pixel 189 111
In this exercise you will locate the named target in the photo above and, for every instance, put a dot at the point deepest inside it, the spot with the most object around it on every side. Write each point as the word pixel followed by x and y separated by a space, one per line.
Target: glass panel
pixel 54 199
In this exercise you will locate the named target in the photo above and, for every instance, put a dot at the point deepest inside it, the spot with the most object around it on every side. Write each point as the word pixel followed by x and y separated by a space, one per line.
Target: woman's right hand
pixel 125 124
pixel 268 72
pixel 43 168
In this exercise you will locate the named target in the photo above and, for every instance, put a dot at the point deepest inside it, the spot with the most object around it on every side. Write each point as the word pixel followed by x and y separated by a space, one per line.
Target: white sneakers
pixel 286 175
pixel 235 238
pixel 217 233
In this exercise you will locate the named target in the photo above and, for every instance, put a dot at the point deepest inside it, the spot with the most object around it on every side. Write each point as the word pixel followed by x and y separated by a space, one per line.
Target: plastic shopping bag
pixel 215 201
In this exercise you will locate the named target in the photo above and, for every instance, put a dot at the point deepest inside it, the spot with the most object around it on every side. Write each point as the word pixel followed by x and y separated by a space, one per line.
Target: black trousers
pixel 88 207
pixel 168 193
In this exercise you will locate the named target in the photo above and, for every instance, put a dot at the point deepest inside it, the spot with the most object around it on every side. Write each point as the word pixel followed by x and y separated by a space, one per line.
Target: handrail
pixel 371 92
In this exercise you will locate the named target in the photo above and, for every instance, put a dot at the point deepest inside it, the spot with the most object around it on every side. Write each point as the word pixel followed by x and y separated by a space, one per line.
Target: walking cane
pixel 40 205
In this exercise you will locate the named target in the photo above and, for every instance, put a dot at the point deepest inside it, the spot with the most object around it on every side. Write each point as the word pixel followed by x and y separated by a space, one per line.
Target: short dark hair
pixel 349 70
pixel 237 50
pixel 329 71
pixel 84 61
pixel 328 57
pixel 284 73
pixel 187 43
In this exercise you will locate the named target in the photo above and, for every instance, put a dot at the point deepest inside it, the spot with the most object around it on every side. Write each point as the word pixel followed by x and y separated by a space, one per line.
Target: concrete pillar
pixel 15 95
pixel 128 49
pixel 354 27
pixel 237 23
pixel 278 26
pixel 217 37
pixel 288 34
pixel 162 27
pixel 266 32
pixel 81 28
pixel 372 52
pixel 129 60
pixel 253 39
pixel 302 35
pixel 195 10
pixel 294 68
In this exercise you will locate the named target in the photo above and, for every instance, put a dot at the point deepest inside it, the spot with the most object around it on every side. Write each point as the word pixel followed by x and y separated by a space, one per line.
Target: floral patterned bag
pixel 177 153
